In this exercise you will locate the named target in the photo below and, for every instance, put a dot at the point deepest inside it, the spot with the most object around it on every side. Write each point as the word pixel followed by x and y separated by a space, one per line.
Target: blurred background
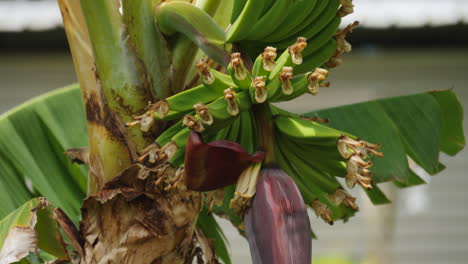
pixel 402 47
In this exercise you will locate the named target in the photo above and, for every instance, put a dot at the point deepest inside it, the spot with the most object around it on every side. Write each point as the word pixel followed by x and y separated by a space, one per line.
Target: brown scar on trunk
pixel 97 112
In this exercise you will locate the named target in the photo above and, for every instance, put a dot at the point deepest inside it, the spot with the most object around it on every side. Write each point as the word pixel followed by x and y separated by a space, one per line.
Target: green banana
pixel 290 57
pixel 300 10
pixel 222 134
pixel 276 14
pixel 179 104
pixel 323 185
pixel 323 37
pixel 176 156
pixel 241 27
pixel 167 135
pixel 315 26
pixel 306 131
pixel 238 6
pixel 285 165
pixel 324 158
pixel 308 187
pixel 267 5
pixel 303 83
pixel 264 63
pixel 299 85
pixel 214 79
pixel 195 24
pixel 239 73
pixel 234 130
pixel 225 110
pixel 318 58
pixel 321 179
pixel 247 132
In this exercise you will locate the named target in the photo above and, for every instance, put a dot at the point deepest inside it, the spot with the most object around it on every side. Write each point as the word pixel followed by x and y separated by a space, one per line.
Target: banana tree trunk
pixel 140 225
pixel 130 214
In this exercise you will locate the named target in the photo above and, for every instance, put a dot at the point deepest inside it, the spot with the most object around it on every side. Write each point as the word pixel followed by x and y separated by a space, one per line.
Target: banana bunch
pixel 313 154
pixel 221 107
pixel 259 23
pixel 225 133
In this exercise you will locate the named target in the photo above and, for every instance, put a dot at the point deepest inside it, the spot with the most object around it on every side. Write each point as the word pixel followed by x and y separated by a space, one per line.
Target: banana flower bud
pixel 277 225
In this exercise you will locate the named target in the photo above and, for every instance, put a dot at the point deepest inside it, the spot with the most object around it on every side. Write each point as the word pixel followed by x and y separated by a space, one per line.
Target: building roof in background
pixel 34 15
pixel 409 13
pixel 39 15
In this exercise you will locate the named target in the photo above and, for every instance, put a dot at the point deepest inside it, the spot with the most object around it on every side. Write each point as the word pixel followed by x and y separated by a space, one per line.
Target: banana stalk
pixel 118 70
pixel 108 156
pixel 149 43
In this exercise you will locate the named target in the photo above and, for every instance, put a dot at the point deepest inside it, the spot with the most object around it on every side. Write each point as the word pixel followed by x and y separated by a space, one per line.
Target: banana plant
pixel 174 121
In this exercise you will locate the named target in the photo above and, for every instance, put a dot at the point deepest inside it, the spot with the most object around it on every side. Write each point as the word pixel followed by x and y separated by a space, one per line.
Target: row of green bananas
pixel 314 154
pixel 253 29
pixel 316 21
pixel 270 79
pixel 210 120
pixel 317 187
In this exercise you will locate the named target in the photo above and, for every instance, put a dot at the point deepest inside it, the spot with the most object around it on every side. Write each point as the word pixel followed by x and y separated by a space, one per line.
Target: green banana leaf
pixel 33 139
pixel 418 126
pixel 207 223
pixel 29 228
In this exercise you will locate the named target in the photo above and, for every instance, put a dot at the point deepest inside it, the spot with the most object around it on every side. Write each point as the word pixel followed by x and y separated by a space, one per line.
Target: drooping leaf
pixel 210 227
pixel 419 126
pixel 33 139
pixel 452 139
pixel 29 228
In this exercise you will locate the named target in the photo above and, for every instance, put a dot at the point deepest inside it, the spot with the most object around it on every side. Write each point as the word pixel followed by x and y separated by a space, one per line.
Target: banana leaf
pixel 33 139
pixel 418 126
pixel 29 228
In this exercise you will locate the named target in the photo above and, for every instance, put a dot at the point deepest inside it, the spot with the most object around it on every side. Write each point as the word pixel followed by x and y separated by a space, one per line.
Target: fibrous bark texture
pixel 146 220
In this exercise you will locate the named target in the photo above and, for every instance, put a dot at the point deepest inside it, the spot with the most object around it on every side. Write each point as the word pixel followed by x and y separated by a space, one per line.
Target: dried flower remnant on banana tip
pixel 238 66
pixel 321 210
pixel 204 70
pixel 342 197
pixel 213 198
pixel 193 123
pixel 146 120
pixel 340 36
pixel 204 113
pixel 230 97
pixel 285 76
pixel 346 8
pixel 314 80
pixel 355 151
pixel 296 50
pixel 261 92
pixel 269 56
